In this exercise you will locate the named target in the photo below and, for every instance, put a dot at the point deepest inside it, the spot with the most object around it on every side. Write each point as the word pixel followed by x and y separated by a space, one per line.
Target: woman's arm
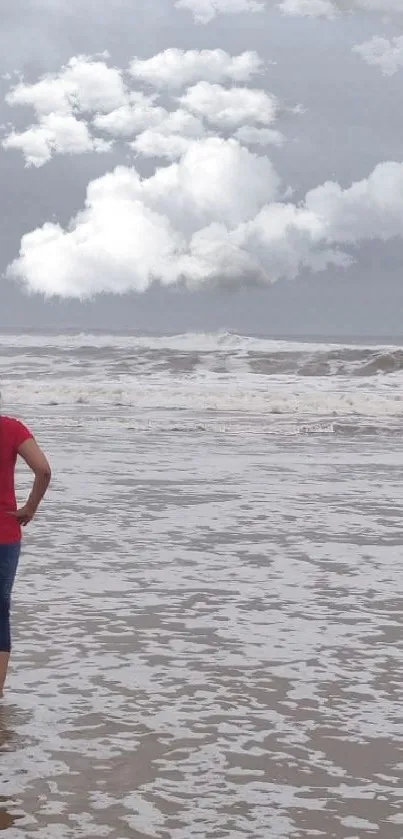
pixel 38 463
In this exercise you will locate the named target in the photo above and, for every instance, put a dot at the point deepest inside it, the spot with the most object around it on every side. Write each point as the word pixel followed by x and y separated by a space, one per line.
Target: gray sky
pixel 221 209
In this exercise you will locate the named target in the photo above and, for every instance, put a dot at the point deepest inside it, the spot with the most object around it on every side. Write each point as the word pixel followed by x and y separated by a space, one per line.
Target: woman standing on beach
pixel 15 439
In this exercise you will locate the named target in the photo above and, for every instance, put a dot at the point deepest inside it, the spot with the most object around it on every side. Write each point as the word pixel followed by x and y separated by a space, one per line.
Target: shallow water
pixel 208 613
pixel 208 640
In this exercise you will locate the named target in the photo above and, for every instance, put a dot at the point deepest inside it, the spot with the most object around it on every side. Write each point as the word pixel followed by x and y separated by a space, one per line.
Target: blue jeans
pixel 9 556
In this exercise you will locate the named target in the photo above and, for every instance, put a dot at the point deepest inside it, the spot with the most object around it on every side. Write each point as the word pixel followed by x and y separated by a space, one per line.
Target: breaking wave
pixel 206 379
pixel 220 352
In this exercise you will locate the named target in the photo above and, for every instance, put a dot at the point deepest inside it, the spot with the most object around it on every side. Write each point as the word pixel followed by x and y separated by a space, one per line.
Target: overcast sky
pixel 202 164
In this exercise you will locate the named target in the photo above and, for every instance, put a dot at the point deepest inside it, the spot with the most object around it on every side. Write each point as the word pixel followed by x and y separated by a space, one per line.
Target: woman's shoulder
pixel 12 423
pixel 15 430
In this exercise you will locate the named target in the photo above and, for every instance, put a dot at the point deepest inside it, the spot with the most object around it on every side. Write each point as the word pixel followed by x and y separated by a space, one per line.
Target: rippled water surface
pixel 207 629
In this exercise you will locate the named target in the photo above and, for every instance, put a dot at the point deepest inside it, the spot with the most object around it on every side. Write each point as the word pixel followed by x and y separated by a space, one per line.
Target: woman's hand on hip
pixel 24 515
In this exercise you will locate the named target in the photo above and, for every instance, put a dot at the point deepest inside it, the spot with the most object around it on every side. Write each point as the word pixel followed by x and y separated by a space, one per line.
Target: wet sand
pixel 208 641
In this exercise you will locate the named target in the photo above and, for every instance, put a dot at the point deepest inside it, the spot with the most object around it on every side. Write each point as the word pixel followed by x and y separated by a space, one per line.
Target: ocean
pixel 208 613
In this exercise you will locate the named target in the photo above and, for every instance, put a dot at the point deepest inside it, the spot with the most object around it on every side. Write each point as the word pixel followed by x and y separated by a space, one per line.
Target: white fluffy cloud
pixel 250 135
pixel 383 53
pixel 138 114
pixel 155 144
pixel 383 6
pixel 308 8
pixel 76 107
pixel 320 8
pixel 142 115
pixel 171 138
pixel 369 209
pixel 175 68
pixel 54 134
pixel 230 108
pixel 205 10
pixel 134 230
pixel 214 216
pixel 83 85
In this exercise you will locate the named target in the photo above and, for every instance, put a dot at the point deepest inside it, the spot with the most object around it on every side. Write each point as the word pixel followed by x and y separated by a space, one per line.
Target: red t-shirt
pixel 12 434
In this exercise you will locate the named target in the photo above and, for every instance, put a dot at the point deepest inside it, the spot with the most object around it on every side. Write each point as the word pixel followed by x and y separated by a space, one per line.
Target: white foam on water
pixel 223 397
pixel 198 620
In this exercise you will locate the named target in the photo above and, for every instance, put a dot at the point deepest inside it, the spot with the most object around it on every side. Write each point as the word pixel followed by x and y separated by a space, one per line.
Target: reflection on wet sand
pixel 6 733
pixel 12 718
pixel 6 819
